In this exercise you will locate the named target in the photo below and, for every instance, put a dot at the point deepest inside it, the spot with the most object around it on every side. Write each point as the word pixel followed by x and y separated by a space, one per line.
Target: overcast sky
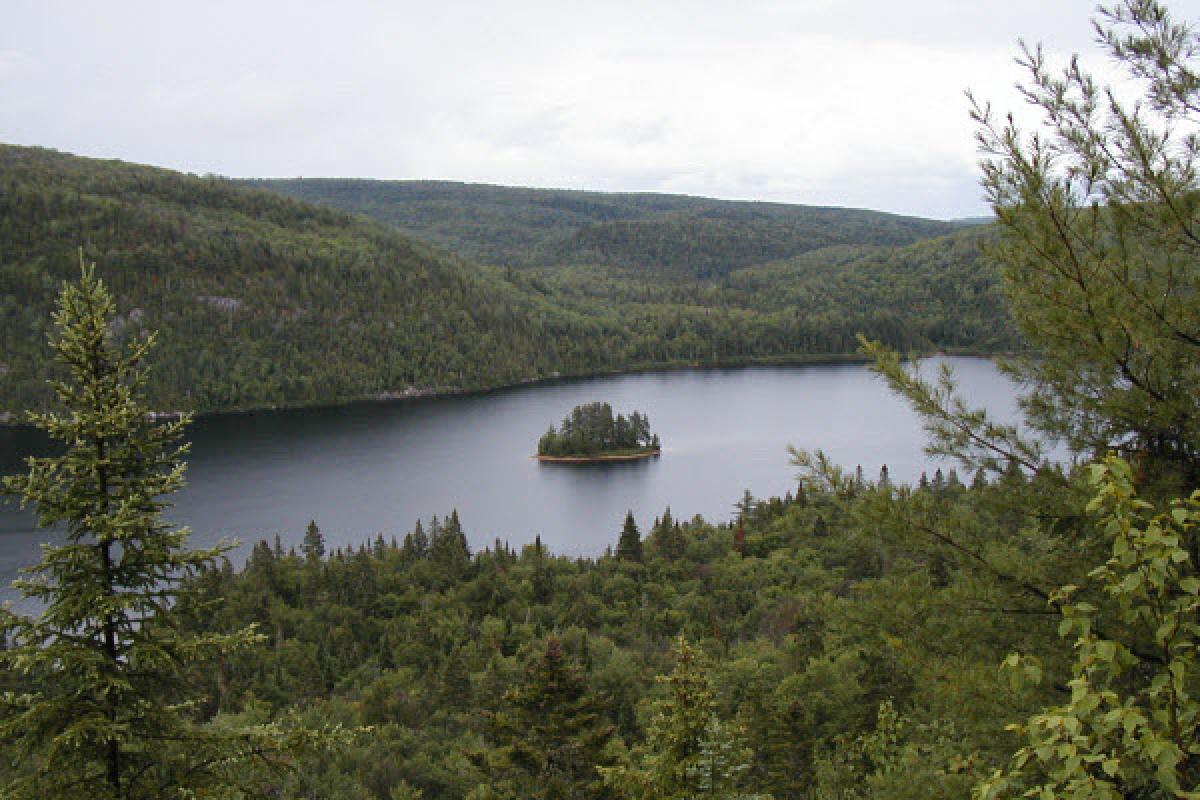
pixel 833 103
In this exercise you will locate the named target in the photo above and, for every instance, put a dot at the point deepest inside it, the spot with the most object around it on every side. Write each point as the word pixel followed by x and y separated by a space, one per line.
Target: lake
pixel 364 469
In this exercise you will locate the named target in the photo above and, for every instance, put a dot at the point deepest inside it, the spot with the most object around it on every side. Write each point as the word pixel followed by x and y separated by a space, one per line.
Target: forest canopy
pixel 263 301
pixel 592 430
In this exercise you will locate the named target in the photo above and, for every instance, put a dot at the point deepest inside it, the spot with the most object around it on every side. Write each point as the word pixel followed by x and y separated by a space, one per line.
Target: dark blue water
pixel 367 469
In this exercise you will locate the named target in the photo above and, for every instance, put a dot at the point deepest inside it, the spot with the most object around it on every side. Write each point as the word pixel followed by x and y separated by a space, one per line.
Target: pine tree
pixel 1097 212
pixel 103 712
pixel 629 546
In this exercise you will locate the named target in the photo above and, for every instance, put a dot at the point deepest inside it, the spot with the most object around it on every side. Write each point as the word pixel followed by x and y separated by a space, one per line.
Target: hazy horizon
pixel 815 103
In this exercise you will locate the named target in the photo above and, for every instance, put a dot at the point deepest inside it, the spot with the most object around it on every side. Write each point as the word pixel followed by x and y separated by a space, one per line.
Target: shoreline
pixel 9 419
pixel 599 458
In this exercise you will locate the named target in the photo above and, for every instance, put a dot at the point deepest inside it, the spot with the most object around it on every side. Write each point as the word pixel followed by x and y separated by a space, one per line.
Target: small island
pixel 590 434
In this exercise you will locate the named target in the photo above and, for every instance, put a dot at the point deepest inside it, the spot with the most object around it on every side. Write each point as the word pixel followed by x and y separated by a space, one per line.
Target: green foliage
pixel 260 300
pixel 892 761
pixel 689 752
pixel 265 301
pixel 1098 212
pixel 507 226
pixel 313 545
pixel 591 429
pixel 104 706
pixel 1130 726
pixel 383 637
pixel 551 734
pixel 629 545
pixel 1095 217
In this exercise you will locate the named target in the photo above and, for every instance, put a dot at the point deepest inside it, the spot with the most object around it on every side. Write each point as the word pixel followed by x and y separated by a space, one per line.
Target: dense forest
pixel 514 227
pixel 264 301
pixel 1018 627
pixel 591 429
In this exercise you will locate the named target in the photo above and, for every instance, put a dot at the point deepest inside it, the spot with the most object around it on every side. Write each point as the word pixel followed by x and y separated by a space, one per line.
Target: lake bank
pixel 12 420
pixel 375 468
pixel 601 458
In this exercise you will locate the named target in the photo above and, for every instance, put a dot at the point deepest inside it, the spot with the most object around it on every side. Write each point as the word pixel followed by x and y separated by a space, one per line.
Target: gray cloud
pixel 819 102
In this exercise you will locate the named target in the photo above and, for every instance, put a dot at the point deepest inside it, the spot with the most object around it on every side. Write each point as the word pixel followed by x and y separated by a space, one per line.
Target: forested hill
pixel 262 300
pixel 518 227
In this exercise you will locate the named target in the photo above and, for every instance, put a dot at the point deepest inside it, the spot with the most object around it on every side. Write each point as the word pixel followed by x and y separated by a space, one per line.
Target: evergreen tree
pixel 449 550
pixel 550 735
pixel 591 429
pixel 1097 215
pixel 722 763
pixel 103 710
pixel 314 543
pixel 420 541
pixel 669 540
pixel 688 752
pixel 629 545
pixel 1097 212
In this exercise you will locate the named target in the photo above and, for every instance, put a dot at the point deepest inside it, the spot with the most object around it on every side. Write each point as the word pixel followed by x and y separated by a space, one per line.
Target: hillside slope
pixel 260 300
pixel 519 227
pixel 266 301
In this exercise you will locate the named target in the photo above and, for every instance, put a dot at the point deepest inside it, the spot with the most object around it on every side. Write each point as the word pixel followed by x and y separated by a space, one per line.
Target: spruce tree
pixel 449 550
pixel 669 540
pixel 551 733
pixel 420 541
pixel 314 543
pixel 688 752
pixel 629 546
pixel 103 709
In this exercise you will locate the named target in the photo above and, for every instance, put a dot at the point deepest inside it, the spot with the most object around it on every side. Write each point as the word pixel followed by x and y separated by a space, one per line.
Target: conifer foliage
pixel 689 751
pixel 102 710
pixel 629 546
pixel 1100 221
pixel 591 429
pixel 551 734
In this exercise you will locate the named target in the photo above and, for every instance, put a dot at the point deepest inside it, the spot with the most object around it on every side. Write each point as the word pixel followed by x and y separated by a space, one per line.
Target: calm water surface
pixel 376 468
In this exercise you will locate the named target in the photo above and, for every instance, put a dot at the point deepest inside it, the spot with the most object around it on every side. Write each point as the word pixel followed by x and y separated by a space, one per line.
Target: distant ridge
pixel 522 227
pixel 966 222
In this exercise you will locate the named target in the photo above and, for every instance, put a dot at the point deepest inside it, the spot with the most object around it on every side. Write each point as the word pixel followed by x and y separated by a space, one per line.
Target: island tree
pixel 591 429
